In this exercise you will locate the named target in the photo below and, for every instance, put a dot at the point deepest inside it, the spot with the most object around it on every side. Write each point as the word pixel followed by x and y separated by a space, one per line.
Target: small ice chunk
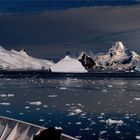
pixel 117 132
pixel 78 137
pixel 87 129
pixel 41 120
pixel 104 90
pixel 21 113
pixel 102 121
pixel 78 123
pixel 3 95
pixel 27 107
pixel 77 111
pixel 117 122
pixel 5 103
pixel 45 106
pixel 137 137
pixel 35 103
pixel 71 114
pixel 10 95
pixel 52 96
pixel 137 99
pixel 8 111
pixel 67 104
pixel 110 86
pixel 37 109
pixel 103 132
pixel 62 88
pixel 102 114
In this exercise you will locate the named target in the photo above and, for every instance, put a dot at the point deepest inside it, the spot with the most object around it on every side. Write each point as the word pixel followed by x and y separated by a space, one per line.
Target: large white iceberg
pixel 68 64
pixel 21 60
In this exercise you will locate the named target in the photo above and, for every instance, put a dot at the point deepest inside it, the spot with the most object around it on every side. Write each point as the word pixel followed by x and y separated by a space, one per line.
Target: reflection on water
pixel 87 109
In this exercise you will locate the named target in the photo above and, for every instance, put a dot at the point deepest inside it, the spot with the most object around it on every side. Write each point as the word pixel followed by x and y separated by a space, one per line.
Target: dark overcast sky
pixel 42 5
pixel 50 34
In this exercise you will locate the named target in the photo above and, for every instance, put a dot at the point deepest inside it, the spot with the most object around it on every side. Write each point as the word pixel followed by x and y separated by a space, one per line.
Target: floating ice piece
pixel 52 96
pixel 3 95
pixel 117 122
pixel 10 95
pixel 41 120
pixel 62 88
pixel 137 137
pixel 117 132
pixel 8 111
pixel 37 109
pixel 27 107
pixel 21 113
pixel 103 132
pixel 77 111
pixel 35 103
pixel 78 123
pixel 78 137
pixel 137 99
pixel 58 128
pixel 5 103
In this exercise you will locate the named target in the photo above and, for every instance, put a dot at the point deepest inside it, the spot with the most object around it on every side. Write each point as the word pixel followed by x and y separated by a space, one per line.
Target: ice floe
pixel 35 103
pixel 75 112
pixel 137 137
pixel 137 99
pixel 112 122
pixel 52 96
pixel 5 103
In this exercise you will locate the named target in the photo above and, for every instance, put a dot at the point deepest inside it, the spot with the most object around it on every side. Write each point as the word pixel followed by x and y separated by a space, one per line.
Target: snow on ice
pixel 68 64
pixel 21 60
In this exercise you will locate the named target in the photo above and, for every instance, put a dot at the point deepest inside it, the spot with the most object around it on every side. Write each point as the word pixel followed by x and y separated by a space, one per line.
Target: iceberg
pixel 68 64
pixel 21 60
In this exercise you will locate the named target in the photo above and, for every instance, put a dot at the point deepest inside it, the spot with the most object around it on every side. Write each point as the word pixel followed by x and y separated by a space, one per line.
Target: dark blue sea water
pixel 21 6
pixel 81 107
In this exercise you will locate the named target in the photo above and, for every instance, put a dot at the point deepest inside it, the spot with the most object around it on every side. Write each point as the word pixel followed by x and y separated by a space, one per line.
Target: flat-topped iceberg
pixel 68 64
pixel 21 60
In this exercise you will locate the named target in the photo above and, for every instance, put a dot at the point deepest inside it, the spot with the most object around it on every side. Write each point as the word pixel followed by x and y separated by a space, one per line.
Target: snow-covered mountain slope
pixel 68 64
pixel 21 60
pixel 117 58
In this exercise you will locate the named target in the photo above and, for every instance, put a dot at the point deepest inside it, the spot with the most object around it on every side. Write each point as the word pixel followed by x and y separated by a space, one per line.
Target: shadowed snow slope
pixel 68 64
pixel 21 60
